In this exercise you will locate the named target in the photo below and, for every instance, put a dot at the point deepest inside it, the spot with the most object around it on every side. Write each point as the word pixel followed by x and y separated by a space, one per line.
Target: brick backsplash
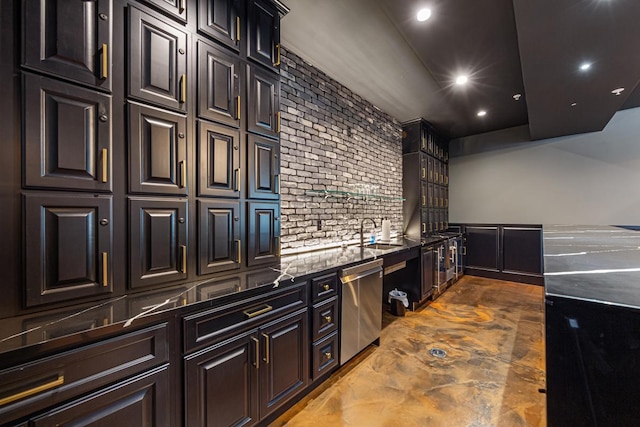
pixel 332 139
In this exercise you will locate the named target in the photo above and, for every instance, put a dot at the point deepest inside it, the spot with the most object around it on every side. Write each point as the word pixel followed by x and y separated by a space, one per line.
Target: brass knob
pixel 327 355
pixel 328 319
pixel 326 287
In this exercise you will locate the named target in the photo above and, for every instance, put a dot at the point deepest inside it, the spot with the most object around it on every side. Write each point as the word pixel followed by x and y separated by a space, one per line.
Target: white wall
pixel 503 177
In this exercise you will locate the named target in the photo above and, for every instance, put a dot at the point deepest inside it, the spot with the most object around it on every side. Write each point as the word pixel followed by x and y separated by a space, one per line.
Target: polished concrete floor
pixel 492 374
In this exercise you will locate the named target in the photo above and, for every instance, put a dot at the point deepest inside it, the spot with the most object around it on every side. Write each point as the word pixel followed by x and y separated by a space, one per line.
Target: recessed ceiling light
pixel 424 14
pixel 460 80
pixel 585 66
pixel 618 91
pixel 482 113
pixel 573 104
pixel 517 96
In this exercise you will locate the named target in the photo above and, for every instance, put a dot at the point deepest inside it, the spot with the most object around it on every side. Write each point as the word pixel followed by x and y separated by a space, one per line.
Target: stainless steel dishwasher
pixel 361 308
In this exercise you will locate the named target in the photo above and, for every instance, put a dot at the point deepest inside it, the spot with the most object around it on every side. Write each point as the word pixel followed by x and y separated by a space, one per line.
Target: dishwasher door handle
pixel 367 273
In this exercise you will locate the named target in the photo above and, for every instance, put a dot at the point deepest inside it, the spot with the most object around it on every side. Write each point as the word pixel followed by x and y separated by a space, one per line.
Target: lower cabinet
pixel 244 379
pixel 427 270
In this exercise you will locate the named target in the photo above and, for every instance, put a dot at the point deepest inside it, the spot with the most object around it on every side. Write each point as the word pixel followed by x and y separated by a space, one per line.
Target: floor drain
pixel 438 352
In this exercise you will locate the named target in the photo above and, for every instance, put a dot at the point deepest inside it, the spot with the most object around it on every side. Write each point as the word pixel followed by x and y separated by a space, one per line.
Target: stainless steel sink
pixel 381 245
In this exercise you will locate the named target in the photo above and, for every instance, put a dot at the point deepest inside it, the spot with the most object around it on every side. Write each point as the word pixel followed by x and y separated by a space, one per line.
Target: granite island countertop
pixel 124 311
pixel 592 263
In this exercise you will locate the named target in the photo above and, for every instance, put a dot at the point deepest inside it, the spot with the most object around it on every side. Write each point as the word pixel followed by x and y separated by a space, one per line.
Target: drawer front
pixel 33 386
pixel 324 287
pixel 205 328
pixel 325 355
pixel 325 318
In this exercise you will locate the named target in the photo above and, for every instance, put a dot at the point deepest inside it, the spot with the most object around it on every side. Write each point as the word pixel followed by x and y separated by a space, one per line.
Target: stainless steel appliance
pixel 452 270
pixel 442 266
pixel 361 308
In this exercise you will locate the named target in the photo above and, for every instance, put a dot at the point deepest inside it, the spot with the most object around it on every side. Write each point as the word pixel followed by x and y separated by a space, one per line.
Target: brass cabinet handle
pixel 328 319
pixel 183 174
pixel 237 28
pixel 105 269
pixel 327 355
pixel 424 228
pixel 251 314
pixel 35 390
pixel 464 250
pixel 181 6
pixel 238 107
pixel 423 144
pixel 183 88
pixel 266 348
pixel 236 179
pixel 424 173
pixel 256 362
pixel 104 63
pixel 430 227
pixel 239 251
pixel 277 246
pixel 183 250
pixel 326 287
pixel 278 121
pixel 105 164
pixel 277 63
pixel 276 183
pixel 424 200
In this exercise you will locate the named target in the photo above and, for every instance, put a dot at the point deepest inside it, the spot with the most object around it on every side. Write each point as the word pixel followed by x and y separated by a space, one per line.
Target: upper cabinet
pixel 222 20
pixel 70 39
pixel 264 102
pixel 67 136
pixel 175 8
pixel 264 33
pixel 263 168
pixel 157 61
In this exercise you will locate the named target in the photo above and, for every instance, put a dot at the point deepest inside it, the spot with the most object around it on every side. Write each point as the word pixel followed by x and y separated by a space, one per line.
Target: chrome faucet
pixel 362 226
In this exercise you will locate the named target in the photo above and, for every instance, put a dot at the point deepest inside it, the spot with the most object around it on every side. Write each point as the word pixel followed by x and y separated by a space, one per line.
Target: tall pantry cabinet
pixel 146 134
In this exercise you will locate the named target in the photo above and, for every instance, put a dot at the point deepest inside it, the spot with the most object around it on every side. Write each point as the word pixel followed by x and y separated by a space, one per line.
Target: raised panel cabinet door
pixel 219 85
pixel 70 39
pixel 284 358
pixel 221 384
pixel 157 241
pixel 157 61
pixel 264 33
pixel 140 401
pixel 157 151
pixel 68 247
pixel 263 232
pixel 222 20
pixel 219 243
pixel 67 136
pixel 175 8
pixel 263 166
pixel 482 248
pixel 264 102
pixel 426 285
pixel 219 173
pixel 522 250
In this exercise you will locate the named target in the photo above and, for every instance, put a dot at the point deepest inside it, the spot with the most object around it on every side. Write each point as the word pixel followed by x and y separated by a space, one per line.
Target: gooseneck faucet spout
pixel 361 229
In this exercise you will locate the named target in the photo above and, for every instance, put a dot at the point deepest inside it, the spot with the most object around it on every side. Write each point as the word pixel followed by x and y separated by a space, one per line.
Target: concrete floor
pixel 492 333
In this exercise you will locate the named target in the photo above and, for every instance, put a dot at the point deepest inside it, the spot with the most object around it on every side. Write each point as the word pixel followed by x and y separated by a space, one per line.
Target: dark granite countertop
pixel 593 263
pixel 43 327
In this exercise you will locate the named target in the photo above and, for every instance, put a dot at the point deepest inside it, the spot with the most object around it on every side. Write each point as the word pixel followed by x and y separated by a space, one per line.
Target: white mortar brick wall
pixel 333 139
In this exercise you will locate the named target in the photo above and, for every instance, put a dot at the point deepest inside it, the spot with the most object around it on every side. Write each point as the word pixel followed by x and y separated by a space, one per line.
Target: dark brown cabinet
pixel 222 384
pixel 284 369
pixel 324 325
pixel 427 269
pixel 68 247
pixel 263 239
pixel 220 82
pixel 70 39
pixel 222 20
pixel 175 8
pixel 263 164
pixel 157 61
pixel 157 241
pixel 264 102
pixel 264 33
pixel 219 172
pixel 157 151
pixel 482 248
pixel 219 243
pixel 67 139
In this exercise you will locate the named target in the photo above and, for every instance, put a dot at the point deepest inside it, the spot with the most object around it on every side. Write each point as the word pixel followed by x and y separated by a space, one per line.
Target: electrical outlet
pixel 319 224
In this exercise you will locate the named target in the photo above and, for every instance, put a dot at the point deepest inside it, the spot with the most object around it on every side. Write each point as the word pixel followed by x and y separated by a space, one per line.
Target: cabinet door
pixel 221 384
pixel 219 85
pixel 430 196
pixel 264 102
pixel 482 248
pixel 430 169
pixel 71 39
pixel 157 61
pixel 284 358
pixel 263 167
pixel 424 166
pixel 263 232
pixel 221 20
pixel 157 151
pixel 424 195
pixel 141 401
pixel 219 245
pixel 68 253
pixel 264 33
pixel 176 8
pixel 158 241
pixel 219 171
pixel 67 136
pixel 426 288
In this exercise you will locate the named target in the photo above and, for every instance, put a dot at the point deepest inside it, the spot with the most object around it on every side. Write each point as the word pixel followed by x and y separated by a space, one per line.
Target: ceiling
pixel 534 48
